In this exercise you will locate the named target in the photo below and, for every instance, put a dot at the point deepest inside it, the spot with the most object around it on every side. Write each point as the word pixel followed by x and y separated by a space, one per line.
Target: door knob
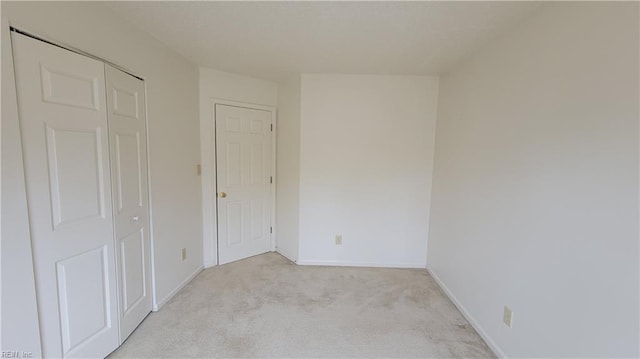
pixel 223 195
pixel 135 218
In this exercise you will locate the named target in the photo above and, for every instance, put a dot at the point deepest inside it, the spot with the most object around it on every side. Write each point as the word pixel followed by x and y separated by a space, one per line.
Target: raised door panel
pixel 70 88
pixel 128 171
pixel 76 174
pixel 63 124
pixel 234 222
pixel 233 164
pixel 85 308
pixel 132 266
pixel 125 103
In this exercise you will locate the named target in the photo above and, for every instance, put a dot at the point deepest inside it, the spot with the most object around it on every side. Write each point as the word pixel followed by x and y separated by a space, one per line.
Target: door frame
pixel 209 174
pixel 17 27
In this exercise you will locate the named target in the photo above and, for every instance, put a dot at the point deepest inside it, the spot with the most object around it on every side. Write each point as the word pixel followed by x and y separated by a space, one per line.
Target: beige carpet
pixel 266 306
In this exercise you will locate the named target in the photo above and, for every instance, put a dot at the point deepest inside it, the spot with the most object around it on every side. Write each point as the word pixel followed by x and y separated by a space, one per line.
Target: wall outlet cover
pixel 507 317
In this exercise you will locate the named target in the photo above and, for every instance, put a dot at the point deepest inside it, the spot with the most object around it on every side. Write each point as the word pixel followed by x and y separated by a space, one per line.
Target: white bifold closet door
pixel 85 256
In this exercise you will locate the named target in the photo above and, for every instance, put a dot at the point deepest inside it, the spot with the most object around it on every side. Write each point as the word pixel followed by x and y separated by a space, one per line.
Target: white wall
pixel 173 144
pixel 288 167
pixel 366 151
pixel 227 86
pixel 535 192
pixel 221 85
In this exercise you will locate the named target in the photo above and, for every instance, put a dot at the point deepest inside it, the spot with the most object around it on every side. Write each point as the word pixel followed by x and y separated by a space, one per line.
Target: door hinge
pixel 272 127
pixel 270 229
pixel 271 179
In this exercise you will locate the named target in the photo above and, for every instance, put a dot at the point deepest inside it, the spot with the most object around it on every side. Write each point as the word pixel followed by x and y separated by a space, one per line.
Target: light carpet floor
pixel 265 306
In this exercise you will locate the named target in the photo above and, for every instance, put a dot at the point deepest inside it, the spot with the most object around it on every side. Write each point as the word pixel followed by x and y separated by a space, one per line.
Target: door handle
pixel 222 195
pixel 135 218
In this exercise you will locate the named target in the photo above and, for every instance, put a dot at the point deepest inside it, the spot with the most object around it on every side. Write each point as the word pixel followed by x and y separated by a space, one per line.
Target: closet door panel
pixel 63 119
pixel 126 113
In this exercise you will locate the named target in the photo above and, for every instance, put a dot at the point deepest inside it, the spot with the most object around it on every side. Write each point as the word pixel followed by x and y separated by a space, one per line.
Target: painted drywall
pixel 233 87
pixel 366 155
pixel 219 85
pixel 535 190
pixel 288 167
pixel 172 101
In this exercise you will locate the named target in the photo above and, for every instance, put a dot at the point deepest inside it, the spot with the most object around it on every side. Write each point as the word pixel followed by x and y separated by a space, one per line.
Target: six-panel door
pixel 243 153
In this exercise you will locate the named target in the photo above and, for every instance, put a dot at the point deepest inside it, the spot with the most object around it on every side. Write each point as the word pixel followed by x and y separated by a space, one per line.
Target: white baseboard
pixel 492 345
pixel 287 255
pixel 160 304
pixel 210 264
pixel 360 264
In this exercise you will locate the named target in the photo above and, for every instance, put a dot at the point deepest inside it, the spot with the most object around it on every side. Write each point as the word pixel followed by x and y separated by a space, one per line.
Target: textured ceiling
pixel 272 39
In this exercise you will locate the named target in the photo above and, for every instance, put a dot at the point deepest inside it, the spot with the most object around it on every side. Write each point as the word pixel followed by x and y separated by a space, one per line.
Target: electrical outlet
pixel 507 317
pixel 338 239
pixel 184 253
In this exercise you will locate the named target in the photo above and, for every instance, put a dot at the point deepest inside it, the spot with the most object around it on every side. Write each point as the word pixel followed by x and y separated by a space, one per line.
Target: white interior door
pixel 243 156
pixel 63 120
pixel 126 113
